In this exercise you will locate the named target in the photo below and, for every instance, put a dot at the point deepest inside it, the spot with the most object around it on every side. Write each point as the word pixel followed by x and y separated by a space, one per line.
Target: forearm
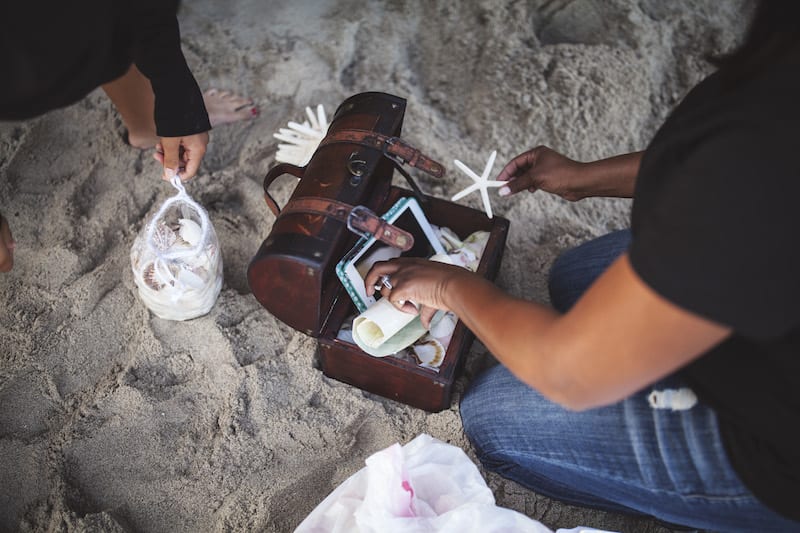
pixel 620 336
pixel 511 329
pixel 611 177
pixel 572 363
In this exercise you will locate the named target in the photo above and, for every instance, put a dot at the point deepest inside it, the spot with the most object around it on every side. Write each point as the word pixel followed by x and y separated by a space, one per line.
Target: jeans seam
pixel 734 499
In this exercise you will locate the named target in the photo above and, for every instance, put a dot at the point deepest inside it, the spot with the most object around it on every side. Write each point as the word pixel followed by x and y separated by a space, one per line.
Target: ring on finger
pixel 384 282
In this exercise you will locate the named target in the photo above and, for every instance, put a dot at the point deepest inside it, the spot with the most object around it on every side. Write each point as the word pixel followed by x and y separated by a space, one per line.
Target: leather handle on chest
pixel 394 147
pixel 358 218
pixel 274 173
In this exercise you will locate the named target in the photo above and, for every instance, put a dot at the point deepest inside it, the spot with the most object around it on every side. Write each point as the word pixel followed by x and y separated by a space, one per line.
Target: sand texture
pixel 114 420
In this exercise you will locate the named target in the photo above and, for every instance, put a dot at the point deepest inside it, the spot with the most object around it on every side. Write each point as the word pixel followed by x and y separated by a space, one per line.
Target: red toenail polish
pixel 254 111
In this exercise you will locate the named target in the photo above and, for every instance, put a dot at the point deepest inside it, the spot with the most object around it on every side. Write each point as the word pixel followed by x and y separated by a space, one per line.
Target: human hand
pixel 181 155
pixel 415 285
pixel 544 168
pixel 7 245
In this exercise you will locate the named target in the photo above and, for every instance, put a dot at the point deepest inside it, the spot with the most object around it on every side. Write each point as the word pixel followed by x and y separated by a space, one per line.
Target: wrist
pixel 611 177
pixel 462 290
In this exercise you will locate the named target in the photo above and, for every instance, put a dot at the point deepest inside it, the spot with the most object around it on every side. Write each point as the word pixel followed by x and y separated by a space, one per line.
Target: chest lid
pixel 293 273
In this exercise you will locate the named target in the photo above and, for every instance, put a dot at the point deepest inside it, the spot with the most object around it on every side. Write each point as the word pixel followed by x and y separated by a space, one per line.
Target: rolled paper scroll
pixel 379 323
pixel 385 330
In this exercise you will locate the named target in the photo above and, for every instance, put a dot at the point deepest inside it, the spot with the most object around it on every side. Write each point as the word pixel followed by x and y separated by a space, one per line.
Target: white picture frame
pixel 406 214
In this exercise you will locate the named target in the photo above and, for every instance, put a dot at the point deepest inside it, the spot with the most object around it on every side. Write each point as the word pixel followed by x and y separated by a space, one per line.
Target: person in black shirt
pixel 53 54
pixel 666 381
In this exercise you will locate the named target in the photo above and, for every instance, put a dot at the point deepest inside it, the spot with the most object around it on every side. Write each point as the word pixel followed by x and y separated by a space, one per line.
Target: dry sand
pixel 114 420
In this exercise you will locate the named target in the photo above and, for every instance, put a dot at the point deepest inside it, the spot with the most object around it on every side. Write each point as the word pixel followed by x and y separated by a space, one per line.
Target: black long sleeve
pixel 53 54
pixel 157 53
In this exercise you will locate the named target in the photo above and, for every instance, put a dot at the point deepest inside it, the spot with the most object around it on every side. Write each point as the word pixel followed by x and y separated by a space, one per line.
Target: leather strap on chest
pixel 359 219
pixel 393 147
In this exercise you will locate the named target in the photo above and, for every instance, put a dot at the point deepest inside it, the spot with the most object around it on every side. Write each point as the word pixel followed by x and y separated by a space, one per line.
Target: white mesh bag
pixel 176 261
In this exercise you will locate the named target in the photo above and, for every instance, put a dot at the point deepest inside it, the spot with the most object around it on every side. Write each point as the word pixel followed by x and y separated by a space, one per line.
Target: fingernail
pixel 504 191
pixel 169 174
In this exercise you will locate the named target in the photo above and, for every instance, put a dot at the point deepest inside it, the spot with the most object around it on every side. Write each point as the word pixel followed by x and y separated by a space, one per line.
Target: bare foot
pixel 224 107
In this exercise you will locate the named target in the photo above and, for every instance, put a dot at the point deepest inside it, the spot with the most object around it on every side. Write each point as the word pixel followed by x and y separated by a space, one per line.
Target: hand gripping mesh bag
pixel 176 261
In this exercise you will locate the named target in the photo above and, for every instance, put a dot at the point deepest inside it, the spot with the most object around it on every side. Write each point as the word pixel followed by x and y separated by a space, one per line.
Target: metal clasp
pixel 361 214
pixel 356 167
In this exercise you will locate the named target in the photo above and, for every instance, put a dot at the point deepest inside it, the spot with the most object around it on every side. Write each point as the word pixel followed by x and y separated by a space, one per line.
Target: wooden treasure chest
pixel 337 203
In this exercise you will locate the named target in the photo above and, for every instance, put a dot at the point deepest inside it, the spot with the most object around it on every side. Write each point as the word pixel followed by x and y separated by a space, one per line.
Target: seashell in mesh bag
pixel 175 261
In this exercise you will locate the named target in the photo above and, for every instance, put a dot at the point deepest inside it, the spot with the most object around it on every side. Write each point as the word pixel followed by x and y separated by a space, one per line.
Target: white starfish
pixel 303 139
pixel 481 182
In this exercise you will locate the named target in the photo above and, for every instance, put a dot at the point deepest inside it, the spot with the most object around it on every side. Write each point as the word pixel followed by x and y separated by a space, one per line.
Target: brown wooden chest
pixel 293 273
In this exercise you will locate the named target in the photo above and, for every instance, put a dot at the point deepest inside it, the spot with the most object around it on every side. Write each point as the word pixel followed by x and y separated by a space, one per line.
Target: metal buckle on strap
pixel 391 141
pixel 364 222
pixel 360 213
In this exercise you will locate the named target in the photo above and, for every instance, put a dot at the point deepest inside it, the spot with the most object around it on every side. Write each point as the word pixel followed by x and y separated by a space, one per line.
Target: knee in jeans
pixel 478 415
pixel 469 409
pixel 485 425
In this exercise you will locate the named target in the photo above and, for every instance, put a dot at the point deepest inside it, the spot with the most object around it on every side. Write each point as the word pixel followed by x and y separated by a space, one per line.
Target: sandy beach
pixel 112 419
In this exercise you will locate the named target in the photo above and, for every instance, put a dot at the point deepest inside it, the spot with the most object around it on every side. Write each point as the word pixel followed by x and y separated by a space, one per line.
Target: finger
pixel 6 246
pixel 405 306
pixel 511 170
pixel 517 165
pixel 383 283
pixel 172 157
pixel 515 173
pixel 526 179
pixel 426 314
pixel 5 233
pixel 192 157
pixel 6 259
pixel 182 163
pixel 516 185
pixel 158 155
pixel 380 268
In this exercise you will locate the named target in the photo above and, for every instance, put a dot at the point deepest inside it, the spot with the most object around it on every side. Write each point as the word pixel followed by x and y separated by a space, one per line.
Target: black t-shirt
pixel 716 230
pixel 53 53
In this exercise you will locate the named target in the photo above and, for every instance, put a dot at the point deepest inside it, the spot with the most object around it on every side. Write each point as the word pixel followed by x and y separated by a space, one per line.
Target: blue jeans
pixel 626 457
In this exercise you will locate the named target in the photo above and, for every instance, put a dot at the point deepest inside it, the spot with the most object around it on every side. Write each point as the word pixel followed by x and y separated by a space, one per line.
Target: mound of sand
pixel 114 420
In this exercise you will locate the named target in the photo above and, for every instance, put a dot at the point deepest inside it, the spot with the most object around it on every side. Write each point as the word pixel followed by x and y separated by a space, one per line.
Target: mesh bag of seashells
pixel 176 261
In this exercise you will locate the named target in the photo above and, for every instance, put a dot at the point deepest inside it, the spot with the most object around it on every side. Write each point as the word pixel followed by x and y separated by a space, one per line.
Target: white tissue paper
pixel 424 486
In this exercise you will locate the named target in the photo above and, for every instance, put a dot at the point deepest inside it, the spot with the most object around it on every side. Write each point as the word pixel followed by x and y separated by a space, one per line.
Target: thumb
pixel 172 158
